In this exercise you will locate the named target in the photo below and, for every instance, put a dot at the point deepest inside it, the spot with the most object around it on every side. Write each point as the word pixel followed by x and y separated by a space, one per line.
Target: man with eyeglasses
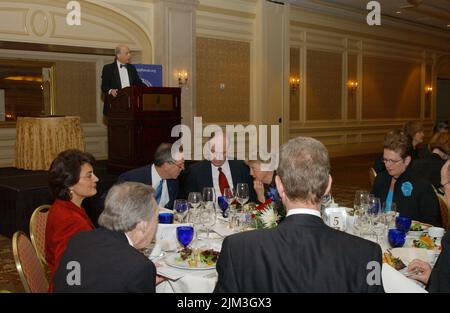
pixel 162 175
pixel 413 196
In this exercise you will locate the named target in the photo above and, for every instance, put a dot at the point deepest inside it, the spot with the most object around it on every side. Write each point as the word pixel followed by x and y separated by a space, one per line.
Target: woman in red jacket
pixel 71 180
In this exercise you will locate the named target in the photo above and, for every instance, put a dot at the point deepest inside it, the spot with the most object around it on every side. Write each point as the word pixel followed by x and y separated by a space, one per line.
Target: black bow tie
pixel 123 65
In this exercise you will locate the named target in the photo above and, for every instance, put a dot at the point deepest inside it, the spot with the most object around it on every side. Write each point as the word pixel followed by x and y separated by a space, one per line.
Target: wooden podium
pixel 139 119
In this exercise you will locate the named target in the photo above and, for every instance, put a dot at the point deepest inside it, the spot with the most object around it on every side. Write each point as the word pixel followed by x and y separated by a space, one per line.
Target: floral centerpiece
pixel 270 213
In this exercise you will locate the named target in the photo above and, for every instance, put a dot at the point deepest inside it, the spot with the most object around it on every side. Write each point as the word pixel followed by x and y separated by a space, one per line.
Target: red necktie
pixel 223 182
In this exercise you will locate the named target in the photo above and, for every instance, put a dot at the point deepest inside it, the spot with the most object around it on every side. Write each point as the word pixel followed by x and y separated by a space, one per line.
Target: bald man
pixel 118 75
pixel 207 173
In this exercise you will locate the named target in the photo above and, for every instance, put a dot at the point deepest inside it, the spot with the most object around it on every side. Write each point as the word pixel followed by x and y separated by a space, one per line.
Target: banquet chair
pixel 372 175
pixel 444 210
pixel 28 266
pixel 38 222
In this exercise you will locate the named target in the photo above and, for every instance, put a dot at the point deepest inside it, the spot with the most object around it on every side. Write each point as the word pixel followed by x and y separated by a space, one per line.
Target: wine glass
pixel 185 234
pixel 242 194
pixel 209 195
pixel 195 199
pixel 229 195
pixel 180 208
pixel 360 202
pixel 207 218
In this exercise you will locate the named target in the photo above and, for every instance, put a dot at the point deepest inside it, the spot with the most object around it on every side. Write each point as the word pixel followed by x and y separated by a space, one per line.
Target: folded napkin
pixel 223 230
pixel 396 282
pixel 166 236
pixel 170 272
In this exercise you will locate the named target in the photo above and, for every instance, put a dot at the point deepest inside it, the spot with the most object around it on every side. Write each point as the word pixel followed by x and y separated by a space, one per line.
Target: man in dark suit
pixel 302 254
pixel 162 174
pixel 119 74
pixel 107 259
pixel 217 171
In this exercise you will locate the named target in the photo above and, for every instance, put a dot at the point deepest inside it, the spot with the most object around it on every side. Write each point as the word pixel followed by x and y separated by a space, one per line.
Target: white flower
pixel 269 218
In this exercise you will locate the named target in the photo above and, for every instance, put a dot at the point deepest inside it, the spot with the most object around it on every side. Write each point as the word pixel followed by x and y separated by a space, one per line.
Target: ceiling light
pixel 398 12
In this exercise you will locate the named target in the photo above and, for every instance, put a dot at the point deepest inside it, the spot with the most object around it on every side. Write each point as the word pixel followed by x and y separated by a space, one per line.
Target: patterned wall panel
pixel 391 88
pixel 223 62
pixel 76 89
pixel 294 93
pixel 323 87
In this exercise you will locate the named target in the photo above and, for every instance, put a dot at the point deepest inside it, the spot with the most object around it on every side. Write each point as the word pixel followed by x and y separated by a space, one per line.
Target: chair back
pixel 28 265
pixel 444 210
pixel 38 223
pixel 372 175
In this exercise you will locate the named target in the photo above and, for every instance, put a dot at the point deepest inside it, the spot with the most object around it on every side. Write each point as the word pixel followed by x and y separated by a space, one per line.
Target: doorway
pixel 442 100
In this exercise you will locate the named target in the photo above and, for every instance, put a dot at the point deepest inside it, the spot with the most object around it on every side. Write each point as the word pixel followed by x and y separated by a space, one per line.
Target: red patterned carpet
pixel 349 174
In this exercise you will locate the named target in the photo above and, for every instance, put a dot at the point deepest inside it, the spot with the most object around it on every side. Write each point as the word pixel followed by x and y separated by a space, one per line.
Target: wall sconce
pixel 182 78
pixel 294 83
pixel 352 86
pixel 428 90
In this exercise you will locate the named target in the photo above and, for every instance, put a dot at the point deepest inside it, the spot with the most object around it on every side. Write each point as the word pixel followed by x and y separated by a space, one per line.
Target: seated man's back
pixel 301 255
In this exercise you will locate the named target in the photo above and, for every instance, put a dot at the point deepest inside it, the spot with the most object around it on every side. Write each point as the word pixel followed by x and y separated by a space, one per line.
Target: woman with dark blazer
pixel 429 168
pixel 438 278
pixel 71 180
pixel 414 197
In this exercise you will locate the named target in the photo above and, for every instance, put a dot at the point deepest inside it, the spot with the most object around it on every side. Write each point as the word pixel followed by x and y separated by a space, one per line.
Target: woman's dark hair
pixel 65 172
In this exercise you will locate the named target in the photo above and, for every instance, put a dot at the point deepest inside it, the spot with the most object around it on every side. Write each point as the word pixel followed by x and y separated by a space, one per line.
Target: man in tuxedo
pixel 162 175
pixel 217 171
pixel 302 254
pixel 119 74
pixel 107 259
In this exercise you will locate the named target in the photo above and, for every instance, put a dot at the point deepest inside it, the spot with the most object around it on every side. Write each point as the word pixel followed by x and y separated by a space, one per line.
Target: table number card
pixel 336 218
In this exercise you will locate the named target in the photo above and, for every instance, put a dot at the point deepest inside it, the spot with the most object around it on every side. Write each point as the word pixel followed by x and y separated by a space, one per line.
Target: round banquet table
pixel 40 139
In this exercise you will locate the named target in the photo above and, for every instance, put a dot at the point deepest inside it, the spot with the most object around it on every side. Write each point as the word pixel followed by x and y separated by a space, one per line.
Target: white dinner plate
pixel 174 261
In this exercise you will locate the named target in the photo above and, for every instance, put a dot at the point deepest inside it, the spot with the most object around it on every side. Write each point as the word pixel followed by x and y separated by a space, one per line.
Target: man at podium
pixel 119 74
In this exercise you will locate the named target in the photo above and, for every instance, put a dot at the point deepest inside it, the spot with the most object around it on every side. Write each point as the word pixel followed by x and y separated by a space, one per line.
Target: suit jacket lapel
pixel 208 175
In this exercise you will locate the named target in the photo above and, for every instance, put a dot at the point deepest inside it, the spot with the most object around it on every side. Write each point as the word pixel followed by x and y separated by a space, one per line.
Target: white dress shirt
pixel 129 240
pixel 215 176
pixel 123 72
pixel 303 211
pixel 165 191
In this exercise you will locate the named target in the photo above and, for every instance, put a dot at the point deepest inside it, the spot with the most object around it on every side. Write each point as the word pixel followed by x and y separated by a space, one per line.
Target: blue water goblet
pixel 165 218
pixel 185 235
pixel 396 238
pixel 180 209
pixel 223 205
pixel 403 223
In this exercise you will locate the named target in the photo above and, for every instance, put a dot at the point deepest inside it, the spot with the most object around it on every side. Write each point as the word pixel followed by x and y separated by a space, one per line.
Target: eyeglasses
pixel 181 167
pixel 388 161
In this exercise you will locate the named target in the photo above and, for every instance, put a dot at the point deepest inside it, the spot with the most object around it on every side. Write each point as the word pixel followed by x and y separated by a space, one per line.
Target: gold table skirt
pixel 40 139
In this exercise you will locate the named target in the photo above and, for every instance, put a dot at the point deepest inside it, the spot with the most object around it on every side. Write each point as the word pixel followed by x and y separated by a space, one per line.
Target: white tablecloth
pixel 204 281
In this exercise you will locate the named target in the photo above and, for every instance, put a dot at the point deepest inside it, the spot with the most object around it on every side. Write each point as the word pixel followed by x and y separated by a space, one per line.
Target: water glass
pixel 396 238
pixel 403 223
pixel 390 212
pixel 165 218
pixel 361 200
pixel 185 234
pixel 180 209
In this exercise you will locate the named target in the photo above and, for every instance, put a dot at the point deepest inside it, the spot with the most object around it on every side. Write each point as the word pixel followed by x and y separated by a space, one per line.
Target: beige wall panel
pixel 223 62
pixel 391 88
pixel 353 76
pixel 323 87
pixel 294 94
pixel 76 89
